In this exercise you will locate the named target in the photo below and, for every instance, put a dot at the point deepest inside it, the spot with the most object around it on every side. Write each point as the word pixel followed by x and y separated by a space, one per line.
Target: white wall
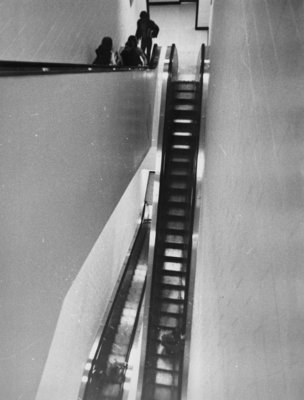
pixel 69 146
pixel 250 297
pixel 63 31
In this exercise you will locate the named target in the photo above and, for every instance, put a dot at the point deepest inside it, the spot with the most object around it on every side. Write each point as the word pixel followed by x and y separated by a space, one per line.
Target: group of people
pixel 131 55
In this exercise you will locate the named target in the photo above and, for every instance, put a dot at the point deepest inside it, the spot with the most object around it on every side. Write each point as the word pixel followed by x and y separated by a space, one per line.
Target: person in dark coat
pixel 131 55
pixel 104 53
pixel 146 30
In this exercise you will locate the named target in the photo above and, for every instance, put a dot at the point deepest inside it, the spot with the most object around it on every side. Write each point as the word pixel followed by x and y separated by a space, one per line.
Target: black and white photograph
pixel 152 200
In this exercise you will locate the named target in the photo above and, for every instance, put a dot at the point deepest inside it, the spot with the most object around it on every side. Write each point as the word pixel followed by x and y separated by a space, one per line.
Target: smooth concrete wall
pixel 64 31
pixel 248 316
pixel 70 145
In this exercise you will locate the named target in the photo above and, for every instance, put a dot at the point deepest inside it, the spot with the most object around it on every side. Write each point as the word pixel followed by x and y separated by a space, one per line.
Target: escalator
pixel 162 377
pixel 107 369
pixel 166 319
pixel 109 366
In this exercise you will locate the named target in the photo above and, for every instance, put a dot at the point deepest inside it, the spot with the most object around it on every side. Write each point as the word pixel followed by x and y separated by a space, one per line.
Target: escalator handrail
pixel 13 68
pixel 116 298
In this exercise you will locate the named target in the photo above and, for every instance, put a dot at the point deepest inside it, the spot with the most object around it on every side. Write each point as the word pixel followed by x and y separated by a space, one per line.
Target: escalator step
pixel 181 125
pixel 110 391
pixel 179 113
pixel 166 379
pixel 178 190
pixel 174 294
pixel 178 184
pixel 185 95
pixel 172 307
pixel 181 161
pixel 185 111
pixel 179 172
pixel 173 280
pixel 178 165
pixel 176 179
pixel 179 274
pixel 169 322
pixel 177 197
pixel 178 260
pixel 174 245
pixel 164 394
pixel 173 266
pixel 172 371
pixel 185 85
pixel 179 169
pixel 175 200
pixel 181 135
pixel 172 286
pixel 181 148
pixel 169 250
pixel 180 100
pixel 173 252
pixel 176 225
pixel 166 327
pixel 190 108
pixel 173 237
pixel 179 302
pixel 176 212
pixel 175 208
pixel 180 233
pixel 177 146
pixel 171 314
pixel 175 217
pixel 181 151
pixel 184 125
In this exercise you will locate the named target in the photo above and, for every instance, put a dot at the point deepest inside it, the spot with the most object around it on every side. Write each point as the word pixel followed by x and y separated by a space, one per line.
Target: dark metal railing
pixel 13 68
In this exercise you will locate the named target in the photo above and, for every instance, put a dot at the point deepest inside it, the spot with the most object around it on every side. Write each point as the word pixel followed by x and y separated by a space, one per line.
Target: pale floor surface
pixel 177 25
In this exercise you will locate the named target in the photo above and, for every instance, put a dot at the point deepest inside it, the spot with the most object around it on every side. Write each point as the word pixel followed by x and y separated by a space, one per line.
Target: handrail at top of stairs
pixel 15 68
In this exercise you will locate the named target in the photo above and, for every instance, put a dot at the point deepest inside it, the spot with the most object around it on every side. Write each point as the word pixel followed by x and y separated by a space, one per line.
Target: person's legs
pixel 149 46
pixel 143 44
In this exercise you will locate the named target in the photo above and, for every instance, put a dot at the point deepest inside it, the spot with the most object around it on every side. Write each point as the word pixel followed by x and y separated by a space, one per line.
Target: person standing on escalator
pixel 131 55
pixel 146 30
pixel 104 53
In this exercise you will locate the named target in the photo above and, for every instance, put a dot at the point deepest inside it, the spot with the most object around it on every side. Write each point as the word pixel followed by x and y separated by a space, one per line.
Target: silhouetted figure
pixel 131 55
pixel 105 54
pixel 146 30
pixel 116 372
pixel 173 342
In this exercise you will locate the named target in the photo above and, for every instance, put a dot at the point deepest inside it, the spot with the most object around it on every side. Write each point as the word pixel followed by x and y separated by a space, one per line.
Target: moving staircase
pixel 167 322
pixel 161 374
